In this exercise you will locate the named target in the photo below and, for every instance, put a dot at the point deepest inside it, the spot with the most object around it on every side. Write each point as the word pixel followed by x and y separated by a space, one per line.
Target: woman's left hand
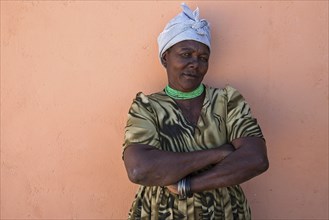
pixel 173 188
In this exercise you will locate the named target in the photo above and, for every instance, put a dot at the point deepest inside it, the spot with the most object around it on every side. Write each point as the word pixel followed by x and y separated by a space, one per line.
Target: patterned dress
pixel 156 120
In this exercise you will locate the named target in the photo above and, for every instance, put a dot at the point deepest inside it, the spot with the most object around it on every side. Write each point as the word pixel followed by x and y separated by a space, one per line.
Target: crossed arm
pixel 232 163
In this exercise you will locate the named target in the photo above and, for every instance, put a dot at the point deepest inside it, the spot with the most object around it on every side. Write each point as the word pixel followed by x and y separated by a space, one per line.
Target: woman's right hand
pixel 173 188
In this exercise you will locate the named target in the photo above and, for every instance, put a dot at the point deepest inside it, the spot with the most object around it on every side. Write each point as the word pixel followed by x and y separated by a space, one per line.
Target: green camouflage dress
pixel 156 120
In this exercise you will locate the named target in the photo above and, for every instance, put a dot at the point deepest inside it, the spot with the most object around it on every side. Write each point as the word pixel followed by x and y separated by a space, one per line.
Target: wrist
pixel 184 188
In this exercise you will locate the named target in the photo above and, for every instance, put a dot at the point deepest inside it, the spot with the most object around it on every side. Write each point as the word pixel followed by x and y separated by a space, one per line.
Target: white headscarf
pixel 185 26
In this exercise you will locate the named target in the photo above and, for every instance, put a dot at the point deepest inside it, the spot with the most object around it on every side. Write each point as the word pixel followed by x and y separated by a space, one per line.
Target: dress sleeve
pixel 141 127
pixel 240 122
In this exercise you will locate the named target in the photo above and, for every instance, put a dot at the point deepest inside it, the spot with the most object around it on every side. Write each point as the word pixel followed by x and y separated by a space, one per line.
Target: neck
pixel 176 94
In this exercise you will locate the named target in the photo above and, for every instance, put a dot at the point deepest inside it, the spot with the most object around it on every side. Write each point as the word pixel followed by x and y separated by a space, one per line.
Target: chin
pixel 190 87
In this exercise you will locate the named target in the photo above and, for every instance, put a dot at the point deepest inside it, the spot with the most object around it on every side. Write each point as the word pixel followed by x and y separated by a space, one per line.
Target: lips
pixel 190 75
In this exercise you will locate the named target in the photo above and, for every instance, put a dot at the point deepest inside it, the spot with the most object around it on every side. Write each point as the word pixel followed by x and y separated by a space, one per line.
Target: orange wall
pixel 70 69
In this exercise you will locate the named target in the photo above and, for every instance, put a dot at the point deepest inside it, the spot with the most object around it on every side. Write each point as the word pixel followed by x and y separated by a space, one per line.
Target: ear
pixel 164 59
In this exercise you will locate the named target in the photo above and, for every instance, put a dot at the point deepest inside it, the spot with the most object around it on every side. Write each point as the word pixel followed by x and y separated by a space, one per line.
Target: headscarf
pixel 185 26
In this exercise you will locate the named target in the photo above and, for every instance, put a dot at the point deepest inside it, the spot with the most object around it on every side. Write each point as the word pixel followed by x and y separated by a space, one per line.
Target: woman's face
pixel 186 63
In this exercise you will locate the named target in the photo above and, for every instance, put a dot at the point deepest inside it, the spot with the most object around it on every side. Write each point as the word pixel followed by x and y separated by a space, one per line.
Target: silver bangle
pixel 189 193
pixel 182 189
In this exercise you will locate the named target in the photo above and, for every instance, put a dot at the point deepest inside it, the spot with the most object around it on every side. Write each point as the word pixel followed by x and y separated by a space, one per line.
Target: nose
pixel 194 63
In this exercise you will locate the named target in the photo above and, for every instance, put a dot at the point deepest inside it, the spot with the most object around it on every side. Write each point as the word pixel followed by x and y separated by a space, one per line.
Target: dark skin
pixel 233 163
pixel 186 65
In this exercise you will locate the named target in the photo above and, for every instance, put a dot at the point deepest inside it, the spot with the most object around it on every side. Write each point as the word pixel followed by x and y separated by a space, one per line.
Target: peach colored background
pixel 70 69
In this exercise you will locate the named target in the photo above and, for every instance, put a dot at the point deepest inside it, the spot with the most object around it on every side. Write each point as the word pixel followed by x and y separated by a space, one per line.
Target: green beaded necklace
pixel 175 94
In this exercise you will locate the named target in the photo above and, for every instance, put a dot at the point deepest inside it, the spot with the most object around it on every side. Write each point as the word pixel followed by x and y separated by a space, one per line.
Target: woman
pixel 189 146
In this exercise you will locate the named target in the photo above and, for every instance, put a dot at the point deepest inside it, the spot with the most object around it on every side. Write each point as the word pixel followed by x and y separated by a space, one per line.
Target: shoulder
pixel 148 99
pixel 228 93
pixel 140 104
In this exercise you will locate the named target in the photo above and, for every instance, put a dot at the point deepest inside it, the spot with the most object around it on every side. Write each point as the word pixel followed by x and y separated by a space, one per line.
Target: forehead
pixel 191 45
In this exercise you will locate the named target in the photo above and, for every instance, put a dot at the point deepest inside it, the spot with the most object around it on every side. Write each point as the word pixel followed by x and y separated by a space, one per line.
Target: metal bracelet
pixel 188 192
pixel 182 189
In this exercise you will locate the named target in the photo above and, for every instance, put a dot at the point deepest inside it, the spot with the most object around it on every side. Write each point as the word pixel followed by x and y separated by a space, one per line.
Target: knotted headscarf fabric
pixel 185 26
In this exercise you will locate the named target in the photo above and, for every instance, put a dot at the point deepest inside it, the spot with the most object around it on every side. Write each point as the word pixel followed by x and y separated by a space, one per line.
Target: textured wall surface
pixel 70 69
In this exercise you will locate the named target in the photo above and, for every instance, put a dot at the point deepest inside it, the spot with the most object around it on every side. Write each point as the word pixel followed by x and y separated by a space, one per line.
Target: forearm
pixel 147 165
pixel 240 166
